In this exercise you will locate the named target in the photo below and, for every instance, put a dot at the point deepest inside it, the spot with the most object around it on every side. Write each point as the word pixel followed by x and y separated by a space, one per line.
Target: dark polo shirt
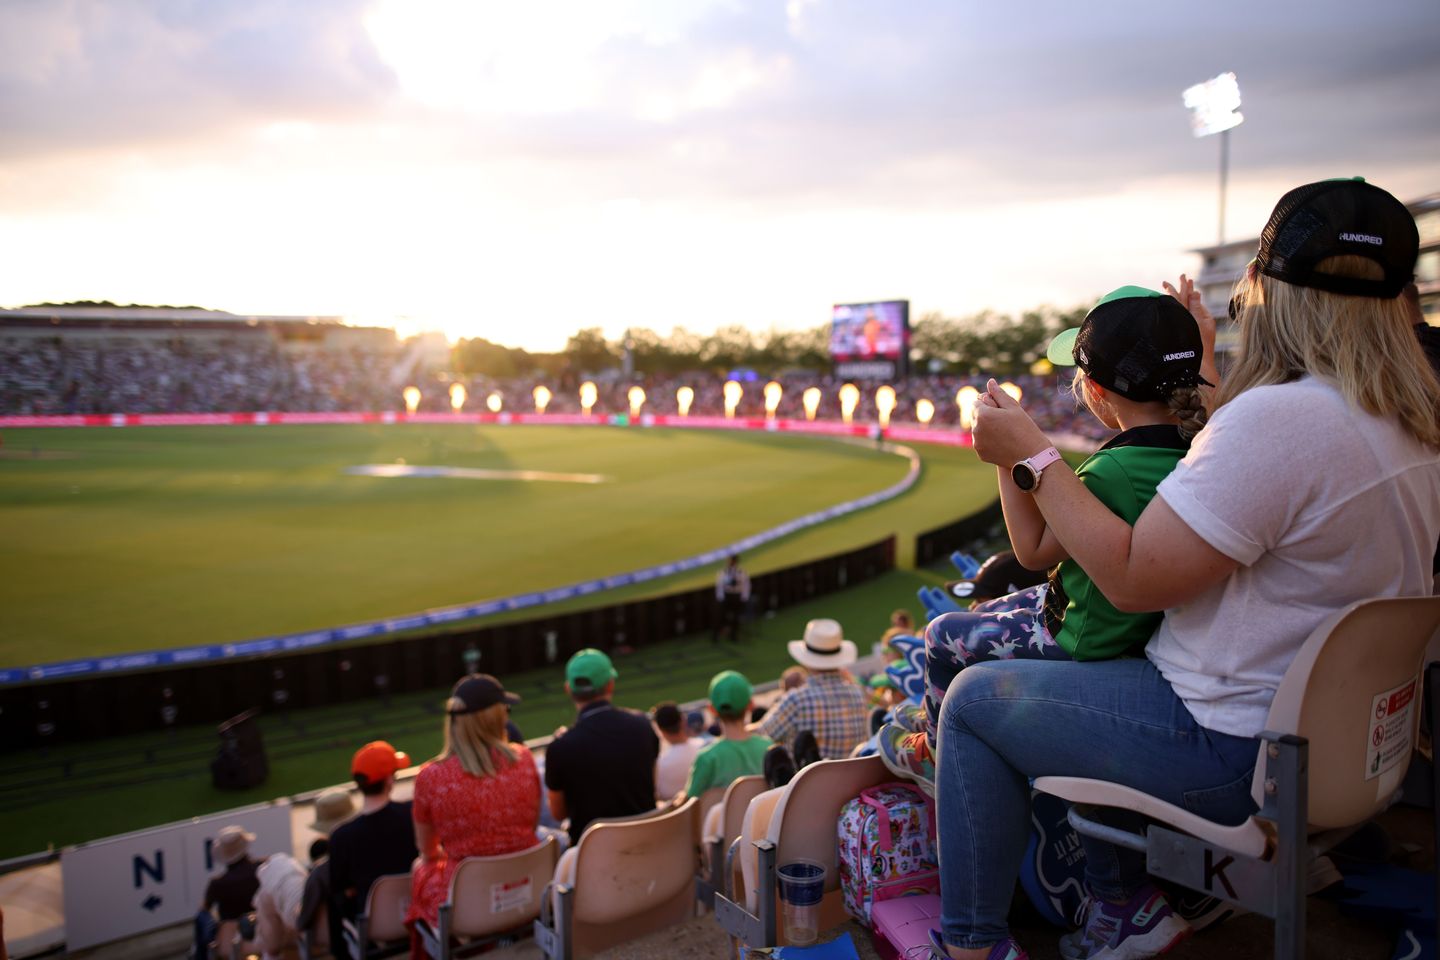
pixel 604 764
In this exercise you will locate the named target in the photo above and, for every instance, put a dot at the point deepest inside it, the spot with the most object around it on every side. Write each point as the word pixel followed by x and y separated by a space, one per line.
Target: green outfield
pixel 119 540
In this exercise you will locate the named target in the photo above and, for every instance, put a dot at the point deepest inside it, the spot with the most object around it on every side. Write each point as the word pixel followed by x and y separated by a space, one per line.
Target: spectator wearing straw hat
pixel 228 895
pixel 332 808
pixel 603 766
pixel 379 841
pixel 829 705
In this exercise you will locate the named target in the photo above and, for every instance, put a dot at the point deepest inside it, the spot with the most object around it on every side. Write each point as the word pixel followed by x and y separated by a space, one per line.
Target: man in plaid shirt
pixel 829 704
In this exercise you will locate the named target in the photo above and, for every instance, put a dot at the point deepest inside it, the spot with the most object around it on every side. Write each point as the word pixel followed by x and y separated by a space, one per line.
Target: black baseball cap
pixel 1138 342
pixel 999 576
pixel 479 691
pixel 1335 217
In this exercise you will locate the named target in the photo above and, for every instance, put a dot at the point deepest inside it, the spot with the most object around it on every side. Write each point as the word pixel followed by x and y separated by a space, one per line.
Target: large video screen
pixel 870 339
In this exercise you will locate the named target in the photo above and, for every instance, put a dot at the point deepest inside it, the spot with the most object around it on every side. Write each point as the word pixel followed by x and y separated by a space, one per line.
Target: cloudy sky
pixel 522 168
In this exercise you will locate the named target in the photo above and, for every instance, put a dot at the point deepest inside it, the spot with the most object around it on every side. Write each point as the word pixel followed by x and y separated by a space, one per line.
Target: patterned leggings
pixel 1006 628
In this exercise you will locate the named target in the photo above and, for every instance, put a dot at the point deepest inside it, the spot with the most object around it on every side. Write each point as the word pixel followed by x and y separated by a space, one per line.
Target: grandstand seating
pixel 490 896
pixel 1328 705
pixel 722 826
pixel 624 879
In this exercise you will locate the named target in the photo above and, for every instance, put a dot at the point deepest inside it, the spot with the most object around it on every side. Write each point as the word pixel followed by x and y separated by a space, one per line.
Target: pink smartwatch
pixel 1026 473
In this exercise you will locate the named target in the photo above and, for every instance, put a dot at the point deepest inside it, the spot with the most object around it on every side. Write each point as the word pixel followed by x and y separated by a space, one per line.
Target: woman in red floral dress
pixel 480 797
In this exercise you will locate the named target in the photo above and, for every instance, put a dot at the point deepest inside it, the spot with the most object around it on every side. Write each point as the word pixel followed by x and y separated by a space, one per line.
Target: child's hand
pixel 1004 434
pixel 1191 300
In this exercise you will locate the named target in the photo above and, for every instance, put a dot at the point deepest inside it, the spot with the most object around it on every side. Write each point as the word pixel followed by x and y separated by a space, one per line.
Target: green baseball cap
pixel 730 692
pixel 589 670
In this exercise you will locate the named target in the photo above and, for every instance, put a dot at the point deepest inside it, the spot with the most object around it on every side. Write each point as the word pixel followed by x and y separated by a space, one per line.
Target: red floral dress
pixel 472 817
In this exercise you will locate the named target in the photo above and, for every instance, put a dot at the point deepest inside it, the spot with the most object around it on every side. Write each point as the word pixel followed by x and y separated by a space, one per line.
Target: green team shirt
pixel 1123 475
pixel 717 764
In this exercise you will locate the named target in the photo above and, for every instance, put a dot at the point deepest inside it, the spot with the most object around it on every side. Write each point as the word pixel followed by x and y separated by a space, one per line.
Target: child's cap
pixel 1140 343
pixel 729 692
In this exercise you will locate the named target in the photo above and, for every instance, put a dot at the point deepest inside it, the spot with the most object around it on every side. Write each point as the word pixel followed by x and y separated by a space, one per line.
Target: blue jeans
pixel 1004 723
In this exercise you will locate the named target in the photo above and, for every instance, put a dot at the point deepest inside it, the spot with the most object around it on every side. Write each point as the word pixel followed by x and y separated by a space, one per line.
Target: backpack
pixel 887 847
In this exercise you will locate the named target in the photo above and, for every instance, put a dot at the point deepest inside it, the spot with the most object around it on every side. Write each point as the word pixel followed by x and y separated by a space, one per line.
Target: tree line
pixel 986 342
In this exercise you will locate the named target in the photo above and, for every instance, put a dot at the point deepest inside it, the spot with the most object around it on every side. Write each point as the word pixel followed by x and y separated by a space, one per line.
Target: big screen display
pixel 870 339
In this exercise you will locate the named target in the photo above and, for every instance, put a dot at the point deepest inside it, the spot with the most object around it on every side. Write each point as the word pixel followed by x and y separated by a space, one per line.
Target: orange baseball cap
pixel 377 760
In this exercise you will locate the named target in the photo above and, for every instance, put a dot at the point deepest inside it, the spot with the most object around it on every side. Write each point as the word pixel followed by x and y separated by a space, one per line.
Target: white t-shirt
pixel 1323 505
pixel 672 770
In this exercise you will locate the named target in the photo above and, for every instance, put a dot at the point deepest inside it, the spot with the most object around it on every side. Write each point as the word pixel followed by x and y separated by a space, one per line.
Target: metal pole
pixel 1224 176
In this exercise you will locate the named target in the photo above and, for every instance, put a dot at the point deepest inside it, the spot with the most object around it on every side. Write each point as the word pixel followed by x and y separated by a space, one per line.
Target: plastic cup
pixel 802 887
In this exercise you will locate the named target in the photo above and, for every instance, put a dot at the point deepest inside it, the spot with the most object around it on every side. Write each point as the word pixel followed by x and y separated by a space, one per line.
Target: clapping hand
pixel 1004 434
pixel 1191 300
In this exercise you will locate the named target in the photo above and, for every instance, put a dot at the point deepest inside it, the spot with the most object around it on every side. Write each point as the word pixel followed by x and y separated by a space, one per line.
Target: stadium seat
pixel 315 942
pixel 721 826
pixel 229 944
pixel 1351 698
pixel 621 881
pixel 380 931
pixel 797 820
pixel 709 800
pixel 490 896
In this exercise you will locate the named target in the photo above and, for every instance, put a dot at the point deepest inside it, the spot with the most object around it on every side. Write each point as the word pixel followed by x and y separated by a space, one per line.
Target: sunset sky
pixel 517 170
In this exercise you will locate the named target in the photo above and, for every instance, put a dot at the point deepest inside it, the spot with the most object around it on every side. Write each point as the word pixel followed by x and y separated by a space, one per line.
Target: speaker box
pixel 241 762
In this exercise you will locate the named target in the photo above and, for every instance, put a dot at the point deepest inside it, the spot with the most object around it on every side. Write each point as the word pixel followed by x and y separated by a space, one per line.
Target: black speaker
pixel 241 762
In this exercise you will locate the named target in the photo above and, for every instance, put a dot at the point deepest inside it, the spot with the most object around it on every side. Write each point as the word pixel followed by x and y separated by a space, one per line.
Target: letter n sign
pixel 156 871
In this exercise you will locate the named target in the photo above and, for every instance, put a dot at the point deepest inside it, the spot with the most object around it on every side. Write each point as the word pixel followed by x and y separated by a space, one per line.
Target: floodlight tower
pixel 1216 104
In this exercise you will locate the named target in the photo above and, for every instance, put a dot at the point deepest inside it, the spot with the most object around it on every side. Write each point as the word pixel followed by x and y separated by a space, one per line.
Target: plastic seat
pixel 491 896
pixel 621 881
pixel 722 825
pixel 1351 700
pixel 315 941
pixel 380 930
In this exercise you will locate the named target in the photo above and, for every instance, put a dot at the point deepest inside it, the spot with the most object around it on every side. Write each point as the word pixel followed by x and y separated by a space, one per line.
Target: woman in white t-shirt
pixel 1315 484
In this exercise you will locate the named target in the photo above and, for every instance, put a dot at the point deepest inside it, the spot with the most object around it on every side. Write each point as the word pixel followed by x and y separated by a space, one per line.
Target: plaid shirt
pixel 828 705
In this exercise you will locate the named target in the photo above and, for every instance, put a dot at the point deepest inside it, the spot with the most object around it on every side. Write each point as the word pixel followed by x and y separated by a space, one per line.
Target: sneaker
pixel 778 766
pixel 911 716
pixel 807 749
pixel 1142 927
pixel 1006 949
pixel 907 754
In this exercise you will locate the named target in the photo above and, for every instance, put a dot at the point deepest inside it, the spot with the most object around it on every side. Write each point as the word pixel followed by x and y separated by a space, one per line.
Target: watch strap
pixel 1043 459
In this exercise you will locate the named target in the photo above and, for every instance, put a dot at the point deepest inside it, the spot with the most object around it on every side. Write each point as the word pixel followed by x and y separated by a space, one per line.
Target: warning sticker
pixel 1390 726
pixel 505 897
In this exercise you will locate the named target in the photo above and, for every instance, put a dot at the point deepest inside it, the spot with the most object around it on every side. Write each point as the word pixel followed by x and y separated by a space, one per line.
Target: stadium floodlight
pixel 924 411
pixel 542 398
pixel 1015 392
pixel 494 402
pixel 849 400
pixel 683 398
pixel 457 396
pixel 965 399
pixel 588 393
pixel 773 392
pixel 637 400
pixel 733 393
pixel 811 399
pixel 885 404
pixel 412 398
pixel 1216 103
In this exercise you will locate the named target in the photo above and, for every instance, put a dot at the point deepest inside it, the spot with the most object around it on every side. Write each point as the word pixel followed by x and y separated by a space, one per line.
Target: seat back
pixel 489 895
pixel 386 904
pixel 633 877
pixel 1354 692
pixel 805 820
pixel 732 808
pixel 755 825
pixel 709 799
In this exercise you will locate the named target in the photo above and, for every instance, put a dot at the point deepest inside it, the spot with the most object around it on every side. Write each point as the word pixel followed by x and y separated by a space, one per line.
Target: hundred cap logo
pixel 1182 355
pixel 1363 238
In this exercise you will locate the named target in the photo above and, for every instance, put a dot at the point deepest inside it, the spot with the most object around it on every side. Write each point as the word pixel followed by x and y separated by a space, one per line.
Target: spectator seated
pixel 1328 706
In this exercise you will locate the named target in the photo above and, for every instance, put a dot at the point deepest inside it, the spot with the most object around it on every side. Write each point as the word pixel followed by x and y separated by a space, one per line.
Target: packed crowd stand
pixel 1151 606
pixel 248 371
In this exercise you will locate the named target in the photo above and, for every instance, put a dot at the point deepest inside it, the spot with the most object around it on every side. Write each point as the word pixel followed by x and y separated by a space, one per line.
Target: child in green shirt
pixel 737 753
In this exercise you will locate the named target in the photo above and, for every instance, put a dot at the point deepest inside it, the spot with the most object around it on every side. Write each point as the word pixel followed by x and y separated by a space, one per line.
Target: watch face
pixel 1024 476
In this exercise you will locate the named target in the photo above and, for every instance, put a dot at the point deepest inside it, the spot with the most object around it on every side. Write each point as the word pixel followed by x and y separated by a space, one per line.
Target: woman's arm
pixel 1191 300
pixel 1158 563
pixel 1035 546
pixel 426 842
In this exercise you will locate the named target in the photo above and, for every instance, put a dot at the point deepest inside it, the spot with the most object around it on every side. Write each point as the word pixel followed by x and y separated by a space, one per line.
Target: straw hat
pixel 824 647
pixel 232 843
pixel 332 808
